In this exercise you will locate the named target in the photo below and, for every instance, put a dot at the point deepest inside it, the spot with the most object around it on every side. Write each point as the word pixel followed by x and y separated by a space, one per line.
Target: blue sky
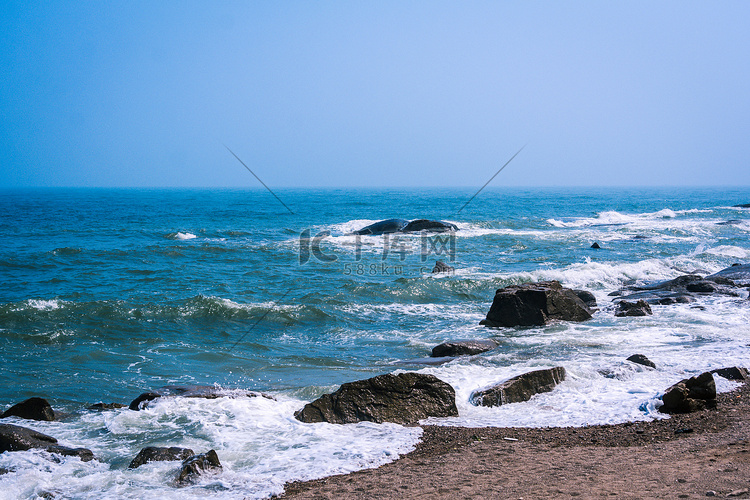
pixel 374 94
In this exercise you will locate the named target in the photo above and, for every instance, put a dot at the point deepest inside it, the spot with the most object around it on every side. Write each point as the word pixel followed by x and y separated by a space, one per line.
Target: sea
pixel 109 293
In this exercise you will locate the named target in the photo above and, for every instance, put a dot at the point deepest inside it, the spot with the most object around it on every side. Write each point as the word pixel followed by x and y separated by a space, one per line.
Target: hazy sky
pixel 402 93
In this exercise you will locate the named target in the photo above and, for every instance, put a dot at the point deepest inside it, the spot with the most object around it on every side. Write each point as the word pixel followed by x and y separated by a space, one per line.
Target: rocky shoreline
pixel 693 455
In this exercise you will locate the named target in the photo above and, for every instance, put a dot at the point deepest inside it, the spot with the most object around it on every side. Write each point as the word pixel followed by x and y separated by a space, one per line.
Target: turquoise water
pixel 105 294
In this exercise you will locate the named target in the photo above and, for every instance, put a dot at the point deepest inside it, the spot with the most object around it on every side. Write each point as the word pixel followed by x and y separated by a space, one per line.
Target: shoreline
pixel 683 456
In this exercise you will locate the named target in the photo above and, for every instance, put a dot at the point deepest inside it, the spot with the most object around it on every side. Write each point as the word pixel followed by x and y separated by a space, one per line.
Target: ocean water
pixel 105 294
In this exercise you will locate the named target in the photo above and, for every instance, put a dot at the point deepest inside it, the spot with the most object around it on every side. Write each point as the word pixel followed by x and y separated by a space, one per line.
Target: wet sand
pixel 697 455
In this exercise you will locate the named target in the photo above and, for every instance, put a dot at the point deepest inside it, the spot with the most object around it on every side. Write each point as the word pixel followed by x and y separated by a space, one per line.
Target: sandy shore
pixel 698 455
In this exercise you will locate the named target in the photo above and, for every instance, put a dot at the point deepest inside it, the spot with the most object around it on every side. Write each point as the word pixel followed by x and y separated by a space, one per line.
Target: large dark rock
pixel 405 398
pixel 32 409
pixel 742 205
pixel 463 348
pixel 197 465
pixel 435 226
pixel 520 388
pixel 640 359
pixel 689 395
pixel 383 227
pixel 738 273
pixel 160 454
pixel 625 308
pixel 17 438
pixel 733 373
pixel 190 391
pixel 535 304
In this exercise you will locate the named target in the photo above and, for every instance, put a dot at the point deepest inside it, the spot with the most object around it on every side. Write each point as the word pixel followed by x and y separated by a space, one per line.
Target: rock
pixel 535 304
pixel 625 308
pixel 737 273
pixel 435 226
pixel 701 287
pixel 17 438
pixel 383 227
pixel 84 454
pixel 463 348
pixel 520 388
pixel 32 409
pixel 641 360
pixel 442 267
pixel 744 205
pixel 197 465
pixel 730 222
pixel 685 288
pixel 190 391
pixel 733 373
pixel 689 395
pixel 595 246
pixel 587 298
pixel 106 406
pixel 405 398
pixel 738 493
pixel 160 454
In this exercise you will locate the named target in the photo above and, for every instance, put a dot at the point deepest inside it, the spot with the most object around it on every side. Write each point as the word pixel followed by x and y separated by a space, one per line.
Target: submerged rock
pixel 106 406
pixel 641 360
pixel 442 267
pixel 405 398
pixel 625 308
pixel 535 304
pixel 738 274
pixel 17 438
pixel 197 465
pixel 160 454
pixel 32 409
pixel 463 348
pixel 191 391
pixel 520 388
pixel 689 395
pixel 596 246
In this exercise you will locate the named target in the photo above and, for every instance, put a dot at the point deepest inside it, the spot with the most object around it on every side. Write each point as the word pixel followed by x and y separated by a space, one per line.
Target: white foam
pixel 43 305
pixel 183 236
pixel 259 442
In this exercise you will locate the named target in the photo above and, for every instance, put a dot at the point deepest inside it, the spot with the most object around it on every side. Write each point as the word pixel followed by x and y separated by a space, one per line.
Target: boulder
pixel 733 373
pixel 405 398
pixel 190 391
pixel 435 226
pixel 442 267
pixel 587 298
pixel 520 388
pixel 535 304
pixel 17 438
pixel 689 395
pixel 743 205
pixel 625 308
pixel 595 246
pixel 737 273
pixel 32 409
pixel 463 348
pixel 160 454
pixel 641 360
pixel 197 465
